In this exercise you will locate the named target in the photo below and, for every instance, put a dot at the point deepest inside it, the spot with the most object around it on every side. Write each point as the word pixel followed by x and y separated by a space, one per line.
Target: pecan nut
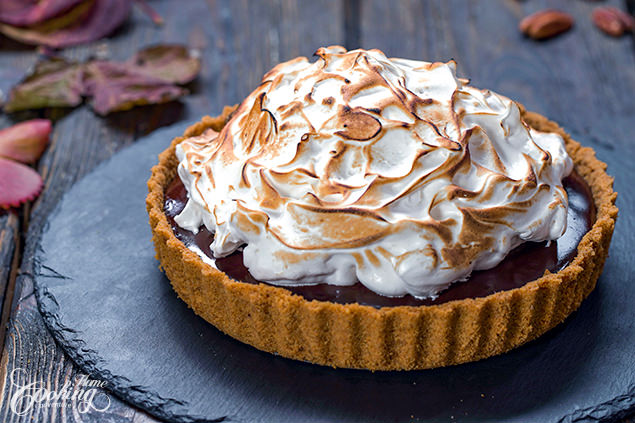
pixel 546 24
pixel 612 20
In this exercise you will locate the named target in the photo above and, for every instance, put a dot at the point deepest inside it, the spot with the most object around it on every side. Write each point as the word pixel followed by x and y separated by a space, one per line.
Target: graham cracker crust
pixel 391 338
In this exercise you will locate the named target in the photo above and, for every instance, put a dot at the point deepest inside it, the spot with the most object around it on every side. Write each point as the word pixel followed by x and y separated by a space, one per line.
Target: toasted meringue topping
pixel 391 172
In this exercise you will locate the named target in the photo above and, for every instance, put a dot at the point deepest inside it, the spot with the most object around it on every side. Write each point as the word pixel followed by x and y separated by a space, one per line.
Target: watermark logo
pixel 85 394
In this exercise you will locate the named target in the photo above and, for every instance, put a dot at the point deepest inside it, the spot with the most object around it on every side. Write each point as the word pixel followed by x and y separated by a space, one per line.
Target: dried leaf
pixel 118 86
pixel 18 183
pixel 88 21
pixel 31 12
pixel 172 63
pixel 53 83
pixel 26 141
pixel 147 78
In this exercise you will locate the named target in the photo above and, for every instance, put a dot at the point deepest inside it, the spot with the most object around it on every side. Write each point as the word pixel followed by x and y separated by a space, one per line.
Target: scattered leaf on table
pixel 31 12
pixel 53 83
pixel 18 183
pixel 87 21
pixel 117 87
pixel 26 141
pixel 172 63
pixel 149 77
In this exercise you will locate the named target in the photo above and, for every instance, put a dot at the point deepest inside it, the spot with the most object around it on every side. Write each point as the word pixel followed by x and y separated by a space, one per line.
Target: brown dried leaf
pixel 53 83
pixel 31 12
pixel 117 87
pixel 87 21
pixel 169 62
pixel 147 78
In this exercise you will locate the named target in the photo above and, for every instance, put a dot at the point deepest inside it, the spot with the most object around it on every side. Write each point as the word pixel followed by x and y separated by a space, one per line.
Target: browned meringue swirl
pixel 392 172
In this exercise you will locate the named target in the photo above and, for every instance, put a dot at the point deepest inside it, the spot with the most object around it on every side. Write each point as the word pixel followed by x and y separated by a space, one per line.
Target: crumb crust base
pixel 272 319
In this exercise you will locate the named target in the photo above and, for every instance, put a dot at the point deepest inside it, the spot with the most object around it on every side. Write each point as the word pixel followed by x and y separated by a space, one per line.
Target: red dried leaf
pixel 18 183
pixel 31 12
pixel 88 21
pixel 147 78
pixel 117 87
pixel 172 63
pixel 25 141
pixel 53 83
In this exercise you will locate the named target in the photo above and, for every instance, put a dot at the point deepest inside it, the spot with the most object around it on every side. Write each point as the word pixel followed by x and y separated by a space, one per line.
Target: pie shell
pixel 273 319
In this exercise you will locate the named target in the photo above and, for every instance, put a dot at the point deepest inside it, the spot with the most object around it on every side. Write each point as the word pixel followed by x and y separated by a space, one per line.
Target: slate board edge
pixel 615 409
pixel 86 359
pixel 89 361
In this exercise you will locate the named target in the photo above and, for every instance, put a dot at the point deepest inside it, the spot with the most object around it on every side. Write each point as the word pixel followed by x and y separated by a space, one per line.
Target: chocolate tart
pixel 327 328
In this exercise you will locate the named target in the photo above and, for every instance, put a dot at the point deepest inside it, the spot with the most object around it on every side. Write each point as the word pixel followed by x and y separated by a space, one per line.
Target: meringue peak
pixel 357 167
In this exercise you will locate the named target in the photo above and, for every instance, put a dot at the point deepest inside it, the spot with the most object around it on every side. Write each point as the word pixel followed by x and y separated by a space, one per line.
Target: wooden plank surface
pixel 10 242
pixel 583 80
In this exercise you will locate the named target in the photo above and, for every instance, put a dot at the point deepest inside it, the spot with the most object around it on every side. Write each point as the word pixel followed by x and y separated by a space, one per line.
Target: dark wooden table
pixel 583 79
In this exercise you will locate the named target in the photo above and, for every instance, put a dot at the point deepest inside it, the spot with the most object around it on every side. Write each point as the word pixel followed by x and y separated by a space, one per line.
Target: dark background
pixel 582 79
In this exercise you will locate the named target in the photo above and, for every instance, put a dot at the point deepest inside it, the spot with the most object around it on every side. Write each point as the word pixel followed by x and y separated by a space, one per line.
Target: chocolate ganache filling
pixel 524 264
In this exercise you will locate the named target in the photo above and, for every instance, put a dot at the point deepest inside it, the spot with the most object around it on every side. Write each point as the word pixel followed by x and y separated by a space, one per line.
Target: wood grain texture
pixel 10 244
pixel 239 41
pixel 8 238
pixel 583 79
pixel 16 58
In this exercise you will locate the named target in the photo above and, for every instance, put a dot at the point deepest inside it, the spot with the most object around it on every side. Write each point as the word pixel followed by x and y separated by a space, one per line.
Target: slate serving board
pixel 115 314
